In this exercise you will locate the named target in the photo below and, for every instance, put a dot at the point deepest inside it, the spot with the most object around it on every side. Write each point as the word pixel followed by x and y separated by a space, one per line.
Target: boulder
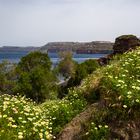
pixel 122 44
pixel 125 43
pixel 105 60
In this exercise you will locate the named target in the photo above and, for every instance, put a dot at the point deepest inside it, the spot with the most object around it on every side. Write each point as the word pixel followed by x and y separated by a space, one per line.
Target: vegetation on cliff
pixel 113 95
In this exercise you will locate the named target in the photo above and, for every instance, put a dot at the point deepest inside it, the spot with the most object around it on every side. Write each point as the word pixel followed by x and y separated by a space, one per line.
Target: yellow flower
pixel 20 133
pixel 106 126
pixel 129 96
pixel 10 119
pixel 41 135
pixel 20 136
pixel 99 126
pixel 95 128
pixel 30 119
pixel 7 99
pixel 14 126
pixel 20 118
pixel 23 121
pixel 137 100
pixel 124 106
pixel 4 116
pixel 2 131
pixel 15 110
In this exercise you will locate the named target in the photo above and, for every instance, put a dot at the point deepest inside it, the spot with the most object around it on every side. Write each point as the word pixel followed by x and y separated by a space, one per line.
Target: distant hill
pixel 18 49
pixel 79 47
pixel 54 47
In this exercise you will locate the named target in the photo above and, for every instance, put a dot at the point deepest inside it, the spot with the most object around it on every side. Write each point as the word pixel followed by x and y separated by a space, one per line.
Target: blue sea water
pixel 16 56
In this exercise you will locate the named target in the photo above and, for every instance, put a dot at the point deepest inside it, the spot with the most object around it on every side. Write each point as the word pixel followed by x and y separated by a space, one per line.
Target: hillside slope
pixel 115 113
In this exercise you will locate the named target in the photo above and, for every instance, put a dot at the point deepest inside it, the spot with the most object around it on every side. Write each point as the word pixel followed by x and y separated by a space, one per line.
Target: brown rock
pixel 125 43
pixel 105 60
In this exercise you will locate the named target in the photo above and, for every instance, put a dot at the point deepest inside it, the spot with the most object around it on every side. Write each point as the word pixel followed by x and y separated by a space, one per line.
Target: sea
pixel 14 57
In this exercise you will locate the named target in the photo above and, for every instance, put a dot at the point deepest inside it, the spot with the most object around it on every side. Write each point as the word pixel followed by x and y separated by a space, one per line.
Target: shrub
pixel 82 71
pixel 35 77
pixel 7 76
pixel 67 65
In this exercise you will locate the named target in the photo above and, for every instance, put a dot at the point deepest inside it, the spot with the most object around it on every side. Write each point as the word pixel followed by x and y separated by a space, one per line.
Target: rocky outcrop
pixel 105 60
pixel 125 43
pixel 122 44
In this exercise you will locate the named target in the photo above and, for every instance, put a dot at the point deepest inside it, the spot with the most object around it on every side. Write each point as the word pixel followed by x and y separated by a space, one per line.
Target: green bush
pixel 7 77
pixel 82 72
pixel 35 77
pixel 67 65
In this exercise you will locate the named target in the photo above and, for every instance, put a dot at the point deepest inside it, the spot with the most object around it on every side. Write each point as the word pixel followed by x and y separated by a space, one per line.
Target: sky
pixel 36 22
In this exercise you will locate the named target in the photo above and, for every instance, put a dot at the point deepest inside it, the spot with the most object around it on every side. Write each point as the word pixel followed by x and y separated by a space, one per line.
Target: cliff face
pixel 87 47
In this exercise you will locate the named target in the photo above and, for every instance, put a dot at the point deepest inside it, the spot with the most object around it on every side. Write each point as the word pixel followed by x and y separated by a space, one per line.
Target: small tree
pixel 7 77
pixel 33 60
pixel 35 78
pixel 67 66
pixel 82 70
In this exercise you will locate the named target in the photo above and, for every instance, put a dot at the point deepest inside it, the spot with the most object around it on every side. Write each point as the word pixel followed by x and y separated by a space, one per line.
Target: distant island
pixel 55 47
pixel 18 49
pixel 79 47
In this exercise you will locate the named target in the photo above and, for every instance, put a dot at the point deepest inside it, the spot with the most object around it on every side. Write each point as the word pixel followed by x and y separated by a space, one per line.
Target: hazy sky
pixel 36 22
